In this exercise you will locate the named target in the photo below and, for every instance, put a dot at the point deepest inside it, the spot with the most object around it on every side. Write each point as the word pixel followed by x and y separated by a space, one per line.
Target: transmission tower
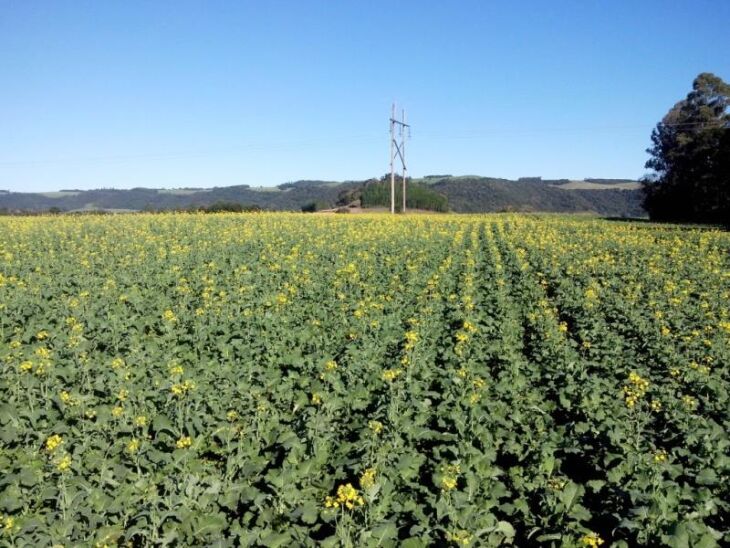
pixel 399 132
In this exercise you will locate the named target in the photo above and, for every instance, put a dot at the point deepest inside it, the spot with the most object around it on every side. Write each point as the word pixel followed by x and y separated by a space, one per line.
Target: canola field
pixel 292 380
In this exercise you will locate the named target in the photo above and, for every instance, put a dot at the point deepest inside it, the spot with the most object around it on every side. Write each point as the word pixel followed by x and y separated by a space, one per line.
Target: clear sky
pixel 177 93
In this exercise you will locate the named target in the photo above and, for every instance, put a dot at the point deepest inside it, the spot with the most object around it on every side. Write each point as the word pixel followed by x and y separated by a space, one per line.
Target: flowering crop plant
pixel 366 380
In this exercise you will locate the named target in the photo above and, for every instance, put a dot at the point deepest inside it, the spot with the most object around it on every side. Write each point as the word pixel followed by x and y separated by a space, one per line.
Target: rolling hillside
pixel 621 198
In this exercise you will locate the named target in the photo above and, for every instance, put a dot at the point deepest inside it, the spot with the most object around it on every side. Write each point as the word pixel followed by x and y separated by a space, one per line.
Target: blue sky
pixel 171 94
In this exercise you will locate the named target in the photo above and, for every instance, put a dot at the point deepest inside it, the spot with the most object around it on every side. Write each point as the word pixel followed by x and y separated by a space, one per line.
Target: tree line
pixel 690 157
pixel 418 196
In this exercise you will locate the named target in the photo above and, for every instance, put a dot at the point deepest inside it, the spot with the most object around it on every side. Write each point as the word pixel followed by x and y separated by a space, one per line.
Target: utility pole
pixel 398 147
pixel 403 151
pixel 392 159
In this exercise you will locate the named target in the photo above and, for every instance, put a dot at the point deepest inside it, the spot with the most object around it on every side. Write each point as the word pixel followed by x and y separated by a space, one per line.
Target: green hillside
pixel 479 194
pixel 618 198
pixel 418 196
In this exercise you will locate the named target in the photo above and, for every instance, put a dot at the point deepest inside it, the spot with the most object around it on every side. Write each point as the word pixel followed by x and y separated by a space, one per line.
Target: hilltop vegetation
pixel 478 194
pixel 418 196
pixel 434 192
pixel 285 197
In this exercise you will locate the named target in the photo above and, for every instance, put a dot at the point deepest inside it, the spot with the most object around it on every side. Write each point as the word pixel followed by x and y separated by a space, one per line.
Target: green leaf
pixel 384 531
pixel 680 538
pixel 412 542
pixel 310 513
pixel 275 540
pixel 162 424
pixel 506 529
pixel 707 476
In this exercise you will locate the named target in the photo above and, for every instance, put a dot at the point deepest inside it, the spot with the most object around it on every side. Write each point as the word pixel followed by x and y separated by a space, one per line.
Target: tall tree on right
pixel 690 157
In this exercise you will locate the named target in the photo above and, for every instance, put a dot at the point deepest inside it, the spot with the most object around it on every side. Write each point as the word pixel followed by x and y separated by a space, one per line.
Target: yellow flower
pixel 43 353
pixel 140 420
pixel 122 394
pixel 64 463
pixel 8 524
pixel 635 389
pixel 132 446
pixel 347 497
pixel 376 427
pixel 180 389
pixel 592 540
pixel 43 334
pixel 117 411
pixel 556 483
pixel 367 479
pixel 449 476
pixel 232 415
pixel 184 442
pixel 390 375
pixel 53 442
pixel 660 456
pixel 117 363
pixel 461 538
pixel 469 327
pixel 330 365
pixel 448 483
pixel 590 294
pixel 169 316
pixel 411 339
pixel 316 398
pixel 26 366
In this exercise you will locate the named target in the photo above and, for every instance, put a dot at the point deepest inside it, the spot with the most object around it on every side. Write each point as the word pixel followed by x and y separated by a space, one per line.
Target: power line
pixel 476 133
pixel 345 140
pixel 114 158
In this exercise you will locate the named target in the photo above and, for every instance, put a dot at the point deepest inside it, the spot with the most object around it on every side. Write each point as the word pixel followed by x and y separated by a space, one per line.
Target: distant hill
pixel 608 197
pixel 480 194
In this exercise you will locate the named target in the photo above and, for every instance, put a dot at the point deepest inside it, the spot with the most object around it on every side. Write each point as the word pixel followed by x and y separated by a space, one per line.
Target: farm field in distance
pixel 363 380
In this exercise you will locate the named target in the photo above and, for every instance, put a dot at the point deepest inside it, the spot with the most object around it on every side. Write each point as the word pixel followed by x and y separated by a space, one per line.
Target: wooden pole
pixel 392 159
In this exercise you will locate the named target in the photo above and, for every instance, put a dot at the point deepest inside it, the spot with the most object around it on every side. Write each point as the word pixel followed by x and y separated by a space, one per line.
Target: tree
pixel 690 157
